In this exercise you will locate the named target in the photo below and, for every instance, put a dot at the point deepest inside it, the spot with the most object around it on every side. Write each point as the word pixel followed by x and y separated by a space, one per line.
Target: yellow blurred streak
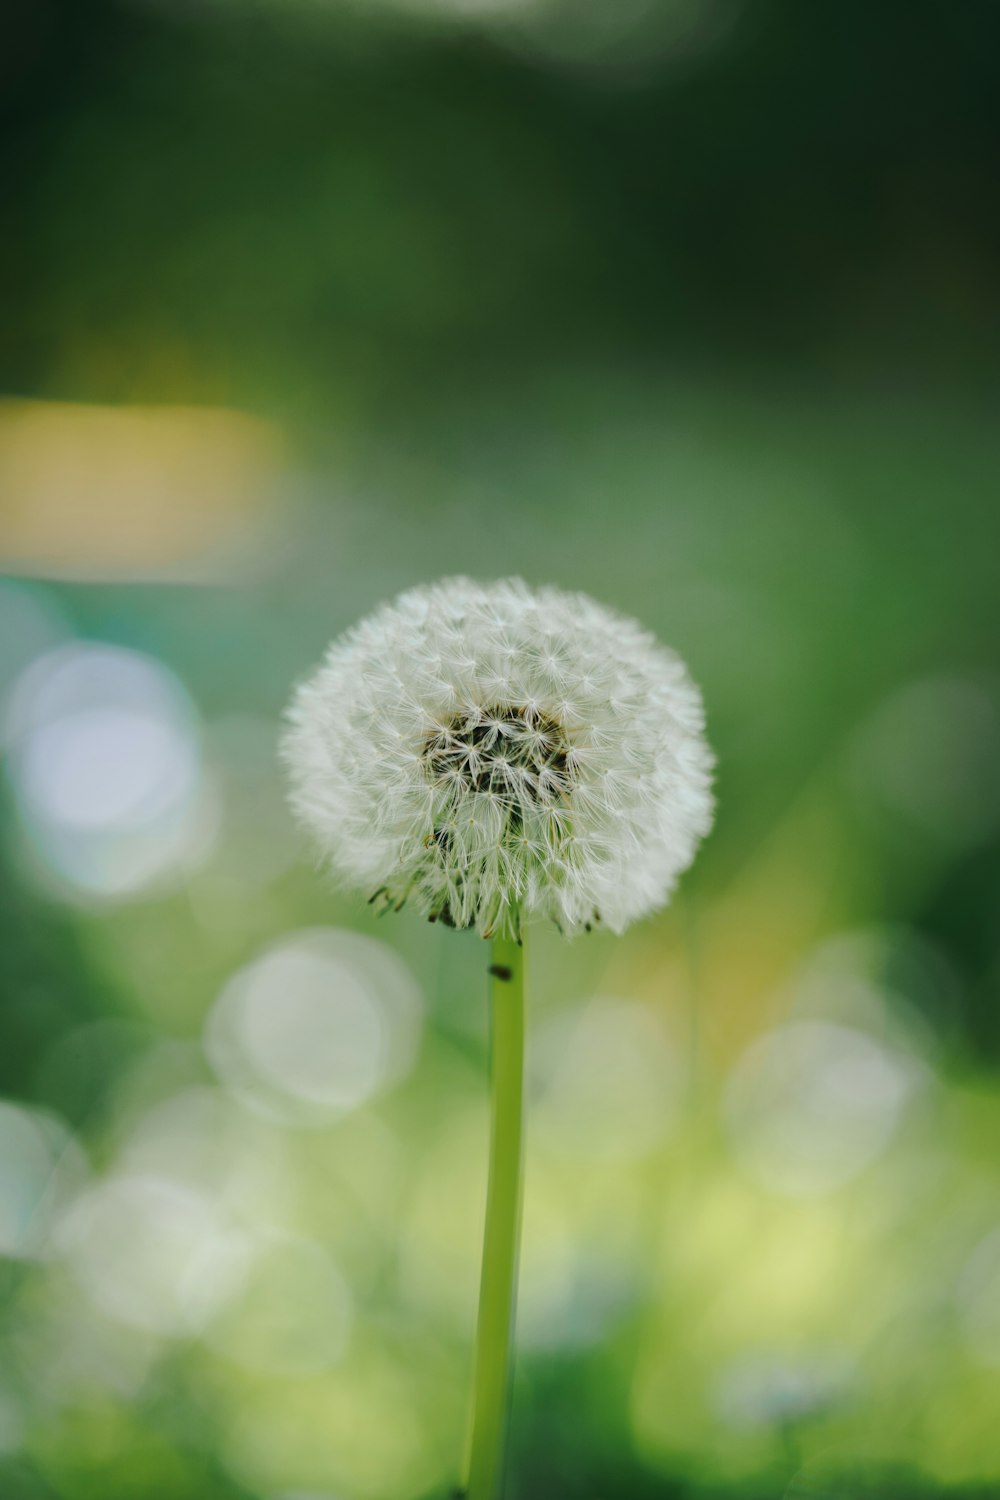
pixel 802 884
pixel 121 493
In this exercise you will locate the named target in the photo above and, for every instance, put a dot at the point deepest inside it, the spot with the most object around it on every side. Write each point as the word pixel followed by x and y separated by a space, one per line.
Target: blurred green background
pixel 691 304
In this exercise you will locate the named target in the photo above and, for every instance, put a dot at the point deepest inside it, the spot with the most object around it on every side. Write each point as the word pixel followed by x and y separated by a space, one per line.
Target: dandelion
pixel 488 754
pixel 491 754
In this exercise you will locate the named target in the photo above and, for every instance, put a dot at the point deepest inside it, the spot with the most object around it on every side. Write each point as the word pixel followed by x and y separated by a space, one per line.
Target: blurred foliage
pixel 692 305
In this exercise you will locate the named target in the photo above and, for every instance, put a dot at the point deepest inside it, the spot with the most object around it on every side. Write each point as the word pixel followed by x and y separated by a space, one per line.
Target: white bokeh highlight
pixel 206 1142
pixel 812 1104
pixel 315 1027
pixel 154 1254
pixel 760 1389
pixel 103 757
pixel 41 1167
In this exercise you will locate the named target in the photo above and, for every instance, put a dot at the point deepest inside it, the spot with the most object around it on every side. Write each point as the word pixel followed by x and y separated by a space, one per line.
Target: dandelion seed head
pixel 488 752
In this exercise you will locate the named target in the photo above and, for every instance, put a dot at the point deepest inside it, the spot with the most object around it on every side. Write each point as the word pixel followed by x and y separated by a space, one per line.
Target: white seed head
pixel 489 752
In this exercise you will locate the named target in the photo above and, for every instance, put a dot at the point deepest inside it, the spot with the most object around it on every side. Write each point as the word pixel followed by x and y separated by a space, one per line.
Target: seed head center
pixel 518 753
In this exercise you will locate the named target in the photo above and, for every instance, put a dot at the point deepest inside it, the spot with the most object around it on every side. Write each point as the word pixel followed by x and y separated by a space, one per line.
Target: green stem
pixel 491 1377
